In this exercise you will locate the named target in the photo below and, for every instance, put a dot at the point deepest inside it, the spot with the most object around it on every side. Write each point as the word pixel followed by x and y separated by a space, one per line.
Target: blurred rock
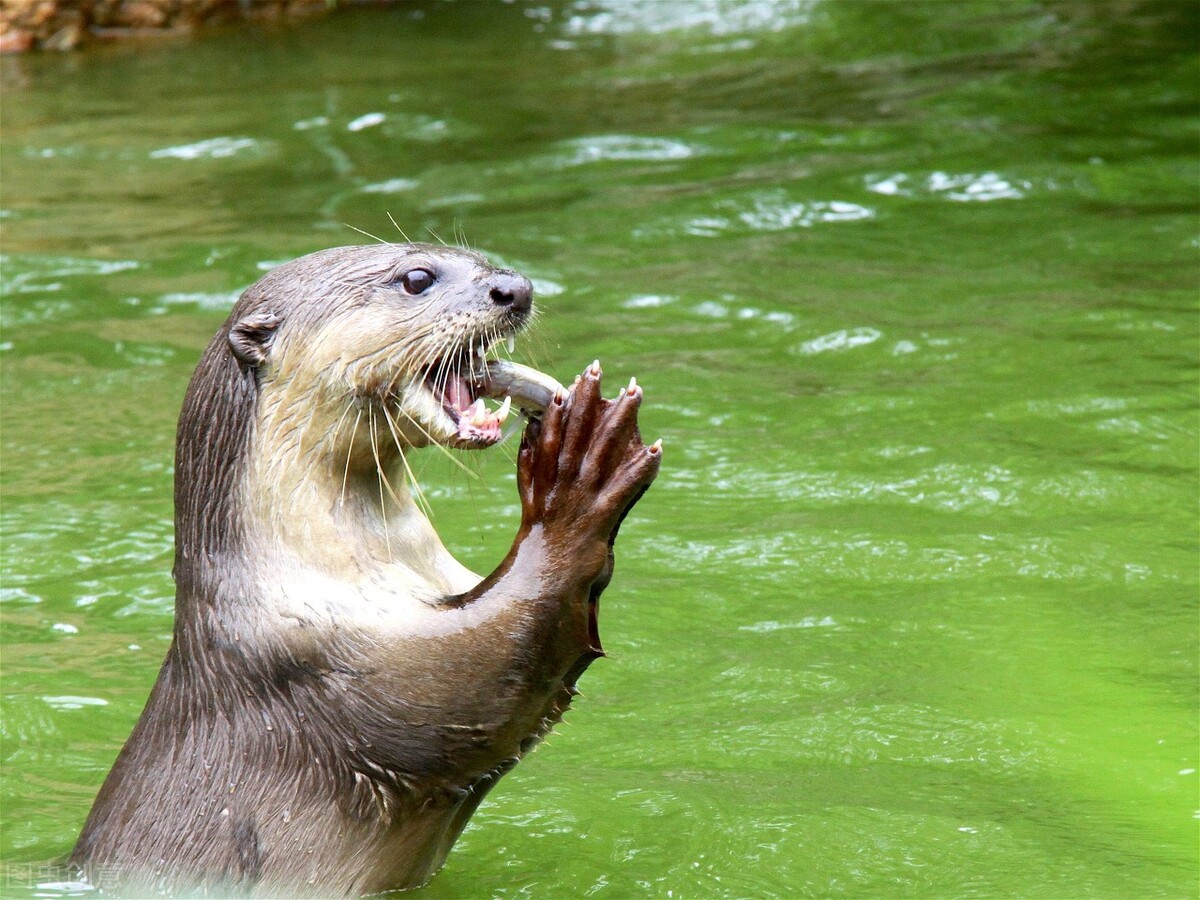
pixel 66 24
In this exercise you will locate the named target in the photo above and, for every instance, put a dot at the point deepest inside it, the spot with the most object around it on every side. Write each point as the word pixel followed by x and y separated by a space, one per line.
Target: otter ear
pixel 251 337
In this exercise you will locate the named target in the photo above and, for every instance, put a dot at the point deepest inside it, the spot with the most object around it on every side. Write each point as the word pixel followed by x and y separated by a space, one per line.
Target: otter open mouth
pixel 460 386
pixel 461 399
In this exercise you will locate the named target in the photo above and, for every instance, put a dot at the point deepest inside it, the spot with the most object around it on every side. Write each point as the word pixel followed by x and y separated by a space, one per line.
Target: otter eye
pixel 417 281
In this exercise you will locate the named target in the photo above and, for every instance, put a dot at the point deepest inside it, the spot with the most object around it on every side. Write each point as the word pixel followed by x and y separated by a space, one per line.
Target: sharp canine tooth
pixel 511 343
pixel 476 412
pixel 502 412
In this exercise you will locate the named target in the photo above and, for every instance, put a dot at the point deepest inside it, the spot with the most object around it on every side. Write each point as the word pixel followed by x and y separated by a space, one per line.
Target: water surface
pixel 911 611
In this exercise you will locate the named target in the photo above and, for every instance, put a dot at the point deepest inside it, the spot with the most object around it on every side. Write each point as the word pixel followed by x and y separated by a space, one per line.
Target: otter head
pixel 327 370
pixel 395 332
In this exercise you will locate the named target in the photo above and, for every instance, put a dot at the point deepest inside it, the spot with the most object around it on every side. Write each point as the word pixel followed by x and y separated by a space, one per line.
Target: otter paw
pixel 584 465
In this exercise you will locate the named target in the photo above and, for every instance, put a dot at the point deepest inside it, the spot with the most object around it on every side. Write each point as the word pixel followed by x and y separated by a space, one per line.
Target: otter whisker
pixel 367 233
pixel 499 345
pixel 460 235
pixel 407 364
pixel 337 429
pixel 379 467
pixel 442 376
pixel 445 450
pixel 349 452
pixel 417 492
pixel 506 449
pixel 381 479
pixel 399 229
pixel 534 343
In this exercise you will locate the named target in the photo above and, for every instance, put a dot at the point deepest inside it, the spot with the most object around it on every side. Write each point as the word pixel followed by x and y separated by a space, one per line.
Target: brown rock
pixel 64 24
pixel 16 40
pixel 143 14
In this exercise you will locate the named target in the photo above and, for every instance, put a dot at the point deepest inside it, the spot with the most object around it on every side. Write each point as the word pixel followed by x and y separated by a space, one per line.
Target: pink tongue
pixel 473 425
pixel 458 393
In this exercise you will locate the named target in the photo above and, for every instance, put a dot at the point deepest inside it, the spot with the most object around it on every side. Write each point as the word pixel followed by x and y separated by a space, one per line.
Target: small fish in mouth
pixel 530 389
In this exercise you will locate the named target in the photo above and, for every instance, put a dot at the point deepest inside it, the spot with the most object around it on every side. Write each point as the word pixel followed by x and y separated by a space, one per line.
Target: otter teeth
pixel 480 416
pixel 511 343
pixel 479 425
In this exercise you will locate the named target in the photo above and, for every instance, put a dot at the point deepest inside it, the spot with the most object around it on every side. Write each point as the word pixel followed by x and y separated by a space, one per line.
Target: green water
pixel 912 609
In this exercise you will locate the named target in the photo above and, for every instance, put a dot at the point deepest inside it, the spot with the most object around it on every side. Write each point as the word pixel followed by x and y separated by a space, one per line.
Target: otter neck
pixel 297 476
pixel 331 491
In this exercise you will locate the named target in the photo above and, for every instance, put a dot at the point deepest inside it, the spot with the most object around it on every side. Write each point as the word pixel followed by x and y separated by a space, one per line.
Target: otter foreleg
pixel 580 469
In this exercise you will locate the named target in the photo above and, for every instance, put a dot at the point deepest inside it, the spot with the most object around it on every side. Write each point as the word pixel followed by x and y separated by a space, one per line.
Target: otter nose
pixel 512 290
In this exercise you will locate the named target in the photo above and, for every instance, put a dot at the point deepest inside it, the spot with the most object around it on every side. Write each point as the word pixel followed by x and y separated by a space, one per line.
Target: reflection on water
pixel 911 289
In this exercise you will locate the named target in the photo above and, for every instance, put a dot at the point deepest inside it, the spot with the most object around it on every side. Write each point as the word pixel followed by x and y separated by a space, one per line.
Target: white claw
pixel 502 412
pixel 632 385
pixel 511 343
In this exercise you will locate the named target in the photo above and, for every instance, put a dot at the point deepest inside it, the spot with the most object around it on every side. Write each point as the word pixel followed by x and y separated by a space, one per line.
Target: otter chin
pixel 340 692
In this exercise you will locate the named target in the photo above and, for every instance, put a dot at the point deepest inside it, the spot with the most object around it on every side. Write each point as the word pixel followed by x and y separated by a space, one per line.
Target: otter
pixel 340 692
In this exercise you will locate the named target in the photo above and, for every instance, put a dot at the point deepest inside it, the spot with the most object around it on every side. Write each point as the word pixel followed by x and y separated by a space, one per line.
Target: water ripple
pixel 717 17
pixel 843 339
pixel 955 487
pixel 807 622
pixel 26 273
pixel 776 213
pixel 756 211
pixel 623 147
pixel 390 186
pixel 73 702
pixel 367 120
pixel 964 187
pixel 212 148
pixel 221 301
